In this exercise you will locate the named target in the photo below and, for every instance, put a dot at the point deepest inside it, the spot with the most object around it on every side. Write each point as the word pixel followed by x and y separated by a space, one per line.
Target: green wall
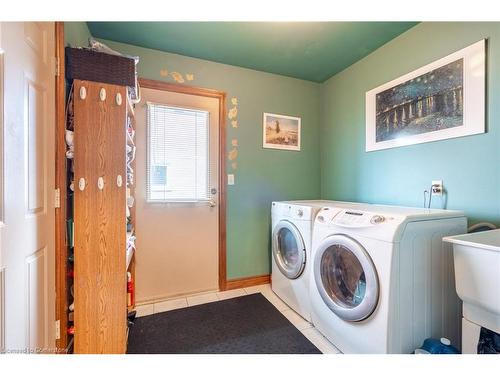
pixel 262 175
pixel 76 34
pixel 468 166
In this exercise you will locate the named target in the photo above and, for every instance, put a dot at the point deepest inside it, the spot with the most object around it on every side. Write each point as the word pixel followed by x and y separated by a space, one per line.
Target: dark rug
pixel 243 325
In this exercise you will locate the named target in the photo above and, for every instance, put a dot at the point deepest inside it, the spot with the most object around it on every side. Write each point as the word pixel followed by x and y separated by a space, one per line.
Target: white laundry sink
pixel 477 276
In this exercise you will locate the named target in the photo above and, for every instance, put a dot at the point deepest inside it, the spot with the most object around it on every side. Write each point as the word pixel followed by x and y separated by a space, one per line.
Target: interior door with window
pixel 177 194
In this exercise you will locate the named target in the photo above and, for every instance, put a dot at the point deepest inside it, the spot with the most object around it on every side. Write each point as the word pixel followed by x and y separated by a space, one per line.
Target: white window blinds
pixel 178 154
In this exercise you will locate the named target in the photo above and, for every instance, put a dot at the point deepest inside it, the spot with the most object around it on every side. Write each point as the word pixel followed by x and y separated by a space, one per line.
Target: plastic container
pixel 435 346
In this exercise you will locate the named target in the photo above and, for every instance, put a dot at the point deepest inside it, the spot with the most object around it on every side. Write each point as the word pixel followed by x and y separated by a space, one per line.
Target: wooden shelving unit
pixel 91 235
pixel 99 207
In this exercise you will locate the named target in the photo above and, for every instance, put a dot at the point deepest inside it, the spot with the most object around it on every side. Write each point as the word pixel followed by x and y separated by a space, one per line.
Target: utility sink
pixel 477 276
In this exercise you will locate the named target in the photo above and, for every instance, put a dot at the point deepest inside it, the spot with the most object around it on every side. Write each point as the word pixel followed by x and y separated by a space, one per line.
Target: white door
pixel 177 138
pixel 28 153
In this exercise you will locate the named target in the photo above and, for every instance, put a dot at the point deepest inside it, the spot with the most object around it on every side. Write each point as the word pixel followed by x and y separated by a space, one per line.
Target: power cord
pixel 425 198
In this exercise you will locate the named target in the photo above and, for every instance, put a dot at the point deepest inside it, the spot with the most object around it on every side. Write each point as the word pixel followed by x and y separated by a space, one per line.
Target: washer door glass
pixel 346 278
pixel 289 251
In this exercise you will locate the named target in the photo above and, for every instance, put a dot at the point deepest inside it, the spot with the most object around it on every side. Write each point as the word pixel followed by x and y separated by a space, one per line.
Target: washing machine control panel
pixel 353 218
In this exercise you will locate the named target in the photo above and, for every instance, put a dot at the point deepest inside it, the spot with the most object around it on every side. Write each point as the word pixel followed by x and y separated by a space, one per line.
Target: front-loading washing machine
pixel 291 251
pixel 382 280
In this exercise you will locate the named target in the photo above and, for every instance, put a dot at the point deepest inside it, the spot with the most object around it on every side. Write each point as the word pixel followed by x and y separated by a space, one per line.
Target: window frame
pixel 148 158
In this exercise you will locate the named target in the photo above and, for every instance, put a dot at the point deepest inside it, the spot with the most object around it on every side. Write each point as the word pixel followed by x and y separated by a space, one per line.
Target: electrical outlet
pixel 230 179
pixel 437 187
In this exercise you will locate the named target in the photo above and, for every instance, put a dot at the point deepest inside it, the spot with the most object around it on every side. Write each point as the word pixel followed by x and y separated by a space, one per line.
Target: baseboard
pixel 166 297
pixel 245 282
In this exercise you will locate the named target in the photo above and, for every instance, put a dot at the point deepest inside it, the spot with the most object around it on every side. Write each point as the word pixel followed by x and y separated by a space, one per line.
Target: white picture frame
pixel 281 132
pixel 396 125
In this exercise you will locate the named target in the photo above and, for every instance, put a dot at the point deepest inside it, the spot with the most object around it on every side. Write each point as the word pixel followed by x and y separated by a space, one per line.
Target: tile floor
pixel 301 324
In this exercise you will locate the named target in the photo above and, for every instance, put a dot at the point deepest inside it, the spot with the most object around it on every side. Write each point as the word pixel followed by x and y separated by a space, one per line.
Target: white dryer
pixel 382 280
pixel 291 251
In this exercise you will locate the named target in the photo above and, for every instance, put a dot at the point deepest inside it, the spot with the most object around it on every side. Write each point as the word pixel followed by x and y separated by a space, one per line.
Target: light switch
pixel 230 179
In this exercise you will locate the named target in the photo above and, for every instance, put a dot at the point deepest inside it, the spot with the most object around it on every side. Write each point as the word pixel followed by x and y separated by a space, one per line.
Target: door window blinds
pixel 178 154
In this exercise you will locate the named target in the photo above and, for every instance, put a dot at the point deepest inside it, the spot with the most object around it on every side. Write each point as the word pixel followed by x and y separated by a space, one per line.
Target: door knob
pixel 212 203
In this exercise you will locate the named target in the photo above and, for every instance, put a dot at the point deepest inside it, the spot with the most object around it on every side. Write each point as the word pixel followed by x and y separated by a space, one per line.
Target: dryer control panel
pixel 357 219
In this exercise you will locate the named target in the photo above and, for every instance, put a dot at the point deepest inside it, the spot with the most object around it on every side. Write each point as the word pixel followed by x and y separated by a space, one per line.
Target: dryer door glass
pixel 343 276
pixel 346 278
pixel 288 249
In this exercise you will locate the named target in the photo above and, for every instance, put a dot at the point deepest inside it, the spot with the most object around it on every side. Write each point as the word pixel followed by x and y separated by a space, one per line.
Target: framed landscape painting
pixel 444 99
pixel 281 132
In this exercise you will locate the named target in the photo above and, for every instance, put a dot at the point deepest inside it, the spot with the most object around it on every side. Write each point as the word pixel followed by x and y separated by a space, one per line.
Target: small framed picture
pixel 281 132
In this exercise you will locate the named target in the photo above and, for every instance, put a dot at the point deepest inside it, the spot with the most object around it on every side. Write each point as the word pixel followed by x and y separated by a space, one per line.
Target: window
pixel 178 154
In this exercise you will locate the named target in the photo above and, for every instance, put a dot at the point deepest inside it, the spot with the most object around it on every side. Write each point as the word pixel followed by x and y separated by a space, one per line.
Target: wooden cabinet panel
pixel 99 217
